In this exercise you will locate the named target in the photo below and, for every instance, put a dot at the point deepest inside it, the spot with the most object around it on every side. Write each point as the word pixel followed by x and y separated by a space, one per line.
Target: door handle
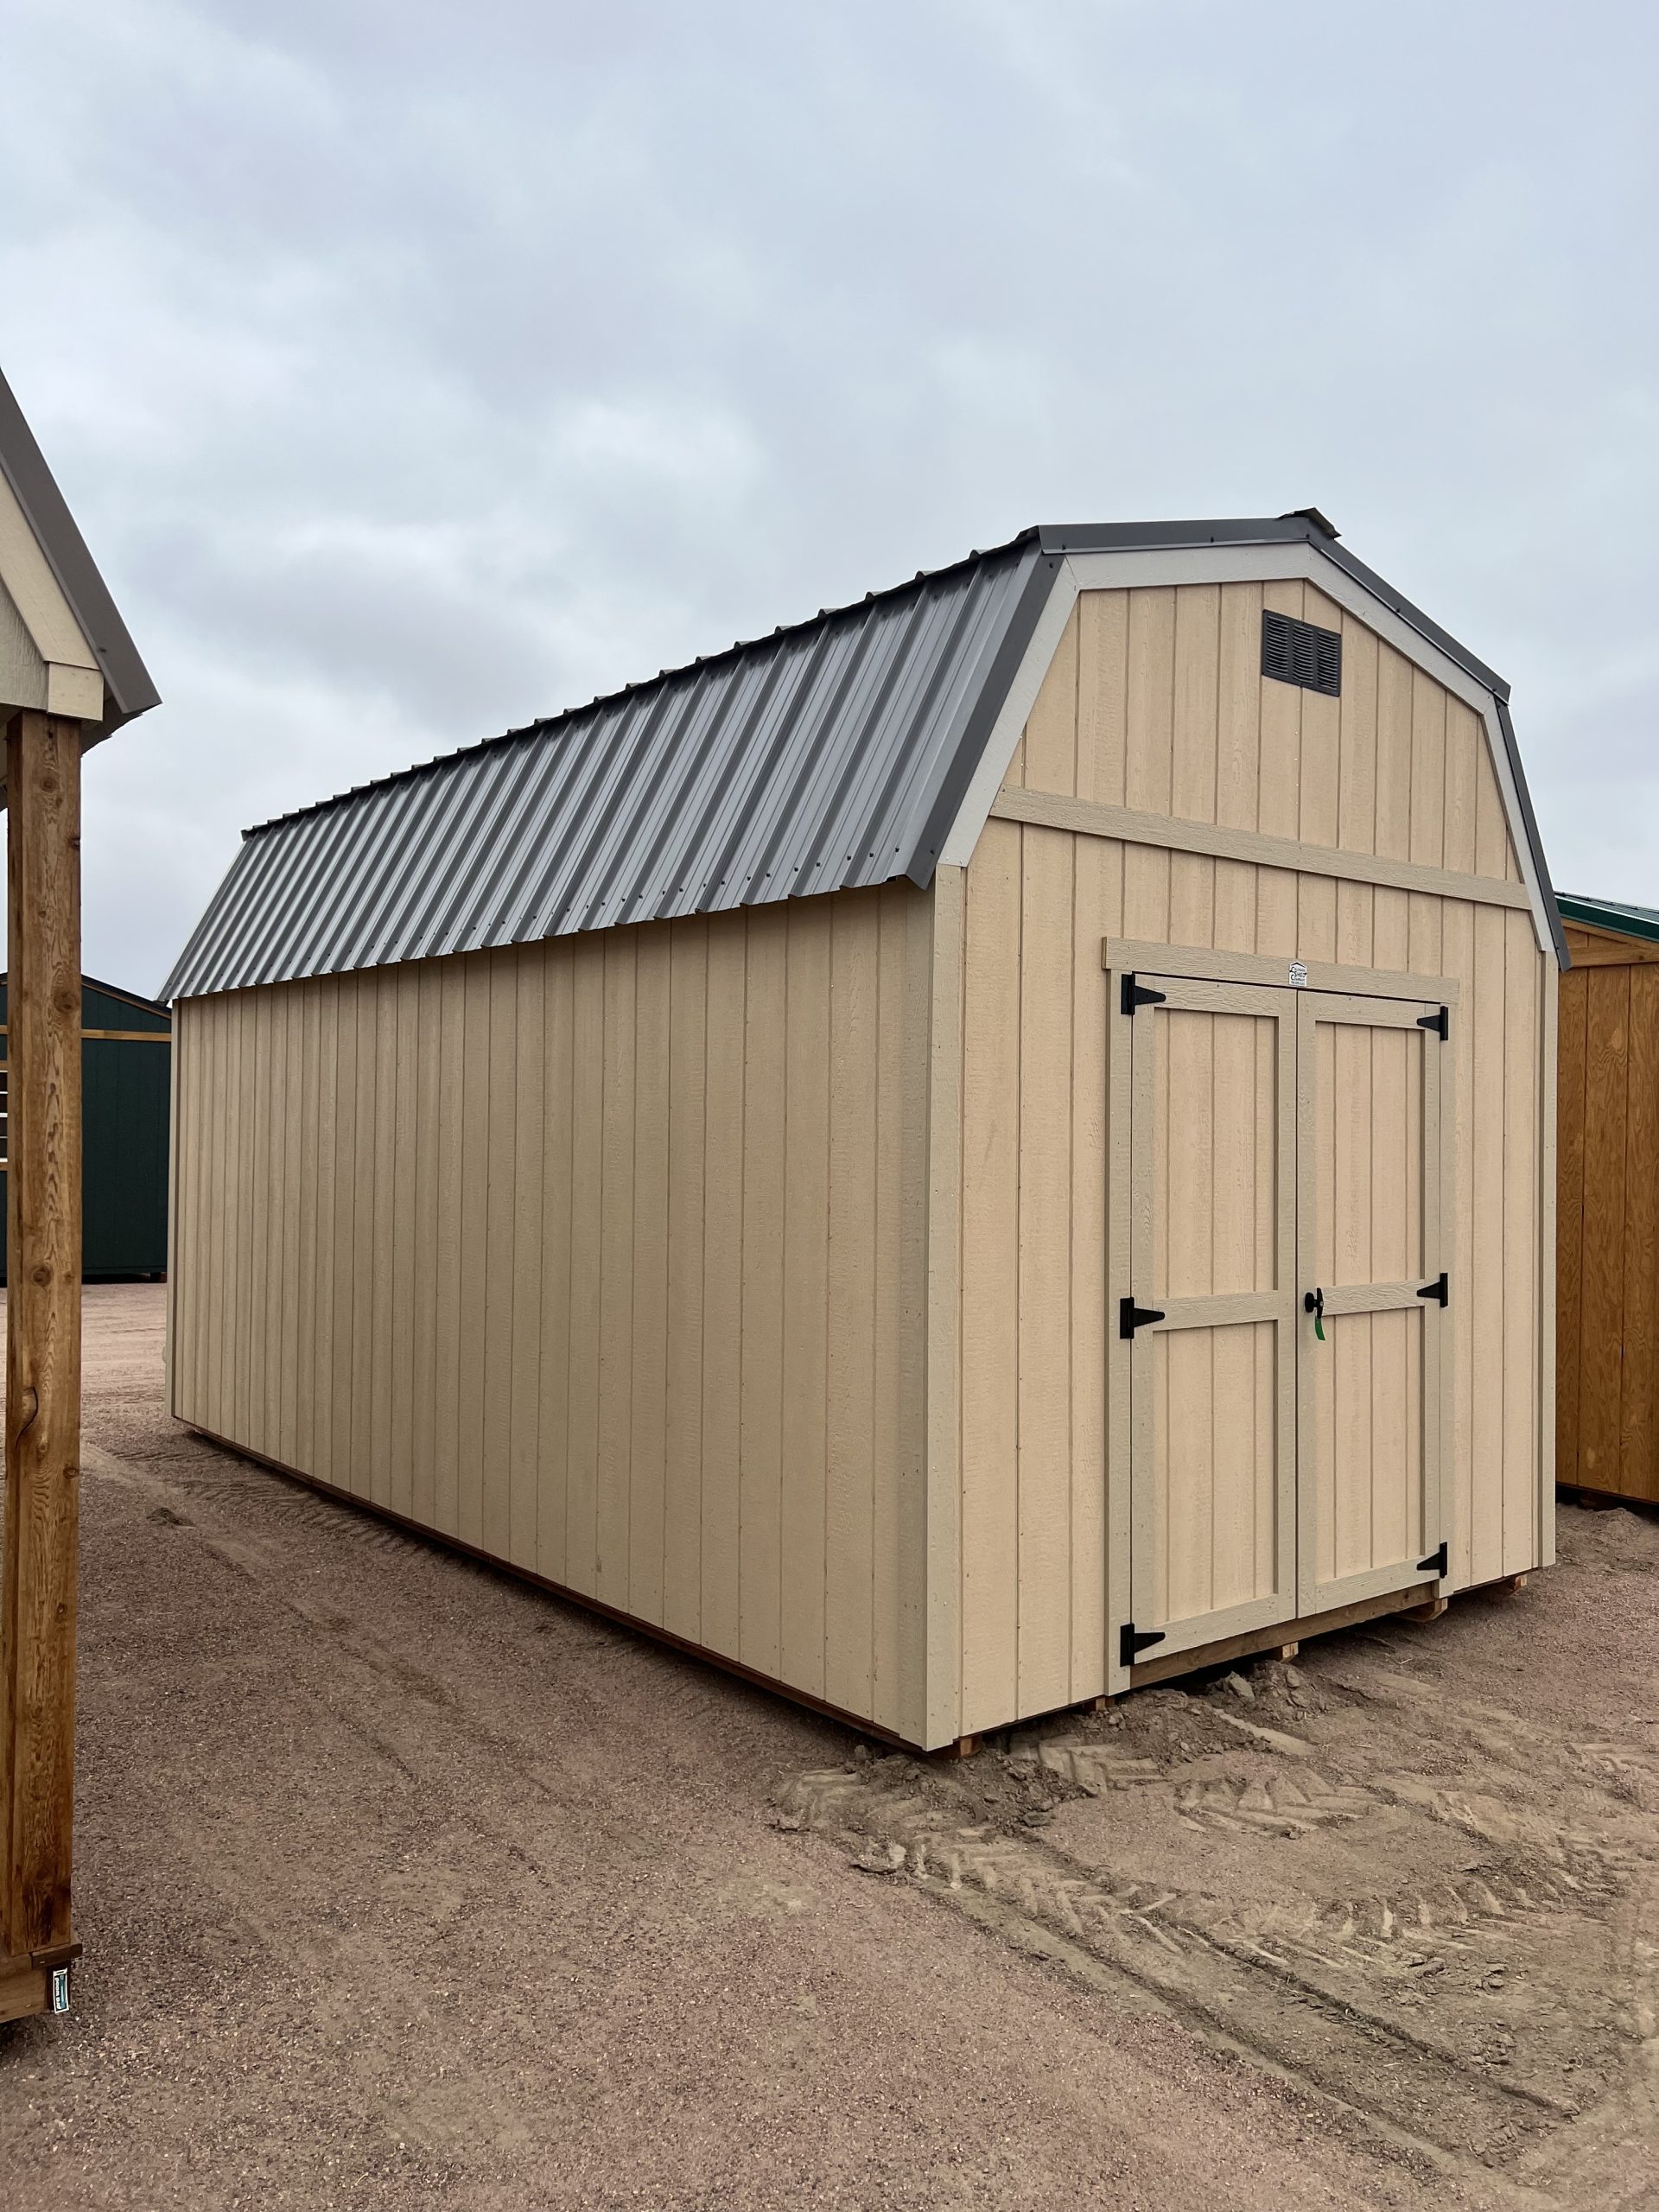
pixel 1313 1303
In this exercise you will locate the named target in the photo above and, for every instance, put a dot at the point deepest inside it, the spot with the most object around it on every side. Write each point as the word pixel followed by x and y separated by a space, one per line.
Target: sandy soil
pixel 403 1885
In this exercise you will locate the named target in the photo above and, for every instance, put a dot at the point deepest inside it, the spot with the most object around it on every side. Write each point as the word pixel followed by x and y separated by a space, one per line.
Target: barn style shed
pixel 126 1088
pixel 1607 1395
pixel 968 1154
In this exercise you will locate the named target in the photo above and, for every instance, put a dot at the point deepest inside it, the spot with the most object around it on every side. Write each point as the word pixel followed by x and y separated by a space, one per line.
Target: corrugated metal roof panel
pixel 825 757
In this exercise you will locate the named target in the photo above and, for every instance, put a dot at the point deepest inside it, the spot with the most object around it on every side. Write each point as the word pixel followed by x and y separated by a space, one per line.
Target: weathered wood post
pixel 37 1611
pixel 69 675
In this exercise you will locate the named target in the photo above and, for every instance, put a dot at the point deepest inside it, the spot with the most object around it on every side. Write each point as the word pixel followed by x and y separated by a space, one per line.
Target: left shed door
pixel 1213 1256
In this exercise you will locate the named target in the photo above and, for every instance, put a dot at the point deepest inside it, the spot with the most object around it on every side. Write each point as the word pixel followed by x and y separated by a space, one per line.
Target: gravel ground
pixel 402 1884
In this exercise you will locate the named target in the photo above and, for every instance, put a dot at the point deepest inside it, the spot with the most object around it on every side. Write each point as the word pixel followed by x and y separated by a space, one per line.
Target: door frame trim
pixel 1125 956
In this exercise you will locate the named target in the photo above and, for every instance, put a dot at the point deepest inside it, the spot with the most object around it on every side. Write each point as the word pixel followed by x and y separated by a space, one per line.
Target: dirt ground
pixel 403 1885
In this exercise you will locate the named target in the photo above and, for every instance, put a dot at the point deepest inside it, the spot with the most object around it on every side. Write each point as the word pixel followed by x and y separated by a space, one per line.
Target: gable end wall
pixel 1155 703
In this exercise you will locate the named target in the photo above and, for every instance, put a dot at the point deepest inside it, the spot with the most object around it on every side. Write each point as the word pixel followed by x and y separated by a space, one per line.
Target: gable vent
pixel 1300 653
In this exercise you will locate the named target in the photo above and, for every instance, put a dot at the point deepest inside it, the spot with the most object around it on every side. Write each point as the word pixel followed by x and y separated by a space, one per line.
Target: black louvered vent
pixel 1300 653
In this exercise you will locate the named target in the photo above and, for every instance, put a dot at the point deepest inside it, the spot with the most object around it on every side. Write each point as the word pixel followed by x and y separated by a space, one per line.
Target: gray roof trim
pixel 1277 530
pixel 128 687
pixel 1535 842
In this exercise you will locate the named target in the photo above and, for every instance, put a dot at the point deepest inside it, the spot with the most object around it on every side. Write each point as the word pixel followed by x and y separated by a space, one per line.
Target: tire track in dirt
pixel 1198 1959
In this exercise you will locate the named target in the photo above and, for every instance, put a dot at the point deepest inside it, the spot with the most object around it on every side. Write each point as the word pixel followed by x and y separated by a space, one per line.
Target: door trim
pixel 1124 956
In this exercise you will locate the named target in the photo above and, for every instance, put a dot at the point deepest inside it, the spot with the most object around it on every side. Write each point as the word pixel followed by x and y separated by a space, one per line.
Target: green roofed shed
pixel 126 1062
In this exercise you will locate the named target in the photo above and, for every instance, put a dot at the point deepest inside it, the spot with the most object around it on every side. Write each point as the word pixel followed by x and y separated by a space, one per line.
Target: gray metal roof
pixel 826 757
pixel 127 688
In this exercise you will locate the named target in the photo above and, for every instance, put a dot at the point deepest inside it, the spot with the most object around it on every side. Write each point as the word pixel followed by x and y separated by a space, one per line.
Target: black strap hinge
pixel 1136 994
pixel 1435 1563
pixel 1131 1317
pixel 1440 1022
pixel 1440 1290
pixel 1131 1639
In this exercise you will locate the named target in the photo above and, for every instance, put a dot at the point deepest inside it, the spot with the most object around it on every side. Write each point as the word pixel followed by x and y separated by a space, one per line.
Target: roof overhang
pixel 63 649
pixel 1123 556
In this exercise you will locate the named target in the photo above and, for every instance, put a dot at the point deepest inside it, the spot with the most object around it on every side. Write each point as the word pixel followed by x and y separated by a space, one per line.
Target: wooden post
pixel 37 1600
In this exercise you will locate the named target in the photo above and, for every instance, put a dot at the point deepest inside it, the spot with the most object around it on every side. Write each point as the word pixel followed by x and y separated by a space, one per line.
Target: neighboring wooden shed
pixel 125 1083
pixel 824 1155
pixel 1607 1395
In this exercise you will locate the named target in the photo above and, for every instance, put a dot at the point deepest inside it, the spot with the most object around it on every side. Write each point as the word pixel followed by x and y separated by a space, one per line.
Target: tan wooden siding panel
pixel 587 1249
pixel 1148 763
pixel 617 1167
pixel 683 1469
pixel 451 1051
pixel 760 1326
pixel 806 1292
pixel 1278 782
pixel 1101 696
pixel 559 1172
pixel 1050 758
pixel 720 1520
pixel 498 1147
pixel 855 987
pixel 1238 754
pixel 615 1266
pixel 423 1016
pixel 648 1414
pixel 528 1013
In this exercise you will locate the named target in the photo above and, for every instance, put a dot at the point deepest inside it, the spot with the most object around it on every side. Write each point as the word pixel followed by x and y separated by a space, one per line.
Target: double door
pixel 1286 1311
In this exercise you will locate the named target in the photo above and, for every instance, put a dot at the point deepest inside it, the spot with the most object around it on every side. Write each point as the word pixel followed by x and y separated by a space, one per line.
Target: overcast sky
pixel 415 369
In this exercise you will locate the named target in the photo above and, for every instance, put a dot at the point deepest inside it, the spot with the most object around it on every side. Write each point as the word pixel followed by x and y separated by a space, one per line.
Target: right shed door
pixel 1370 1252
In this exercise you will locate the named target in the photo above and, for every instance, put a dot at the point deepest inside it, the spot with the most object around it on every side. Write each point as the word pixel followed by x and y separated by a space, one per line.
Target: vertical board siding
pixel 1156 701
pixel 1607 1218
pixel 606 1256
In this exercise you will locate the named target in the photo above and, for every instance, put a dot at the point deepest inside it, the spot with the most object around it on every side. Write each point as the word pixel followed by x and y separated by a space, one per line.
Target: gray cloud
pixel 414 370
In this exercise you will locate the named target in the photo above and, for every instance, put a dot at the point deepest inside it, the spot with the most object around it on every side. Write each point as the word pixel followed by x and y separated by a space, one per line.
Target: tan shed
pixel 954 1159
pixel 1607 1396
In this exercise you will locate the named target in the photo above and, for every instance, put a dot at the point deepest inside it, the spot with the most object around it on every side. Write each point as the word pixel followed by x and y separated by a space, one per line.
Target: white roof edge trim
pixel 986 779
pixel 34 591
pixel 1230 564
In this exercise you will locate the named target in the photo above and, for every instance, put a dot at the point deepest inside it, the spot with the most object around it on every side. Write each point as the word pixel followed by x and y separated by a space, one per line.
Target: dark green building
pixel 126 1066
